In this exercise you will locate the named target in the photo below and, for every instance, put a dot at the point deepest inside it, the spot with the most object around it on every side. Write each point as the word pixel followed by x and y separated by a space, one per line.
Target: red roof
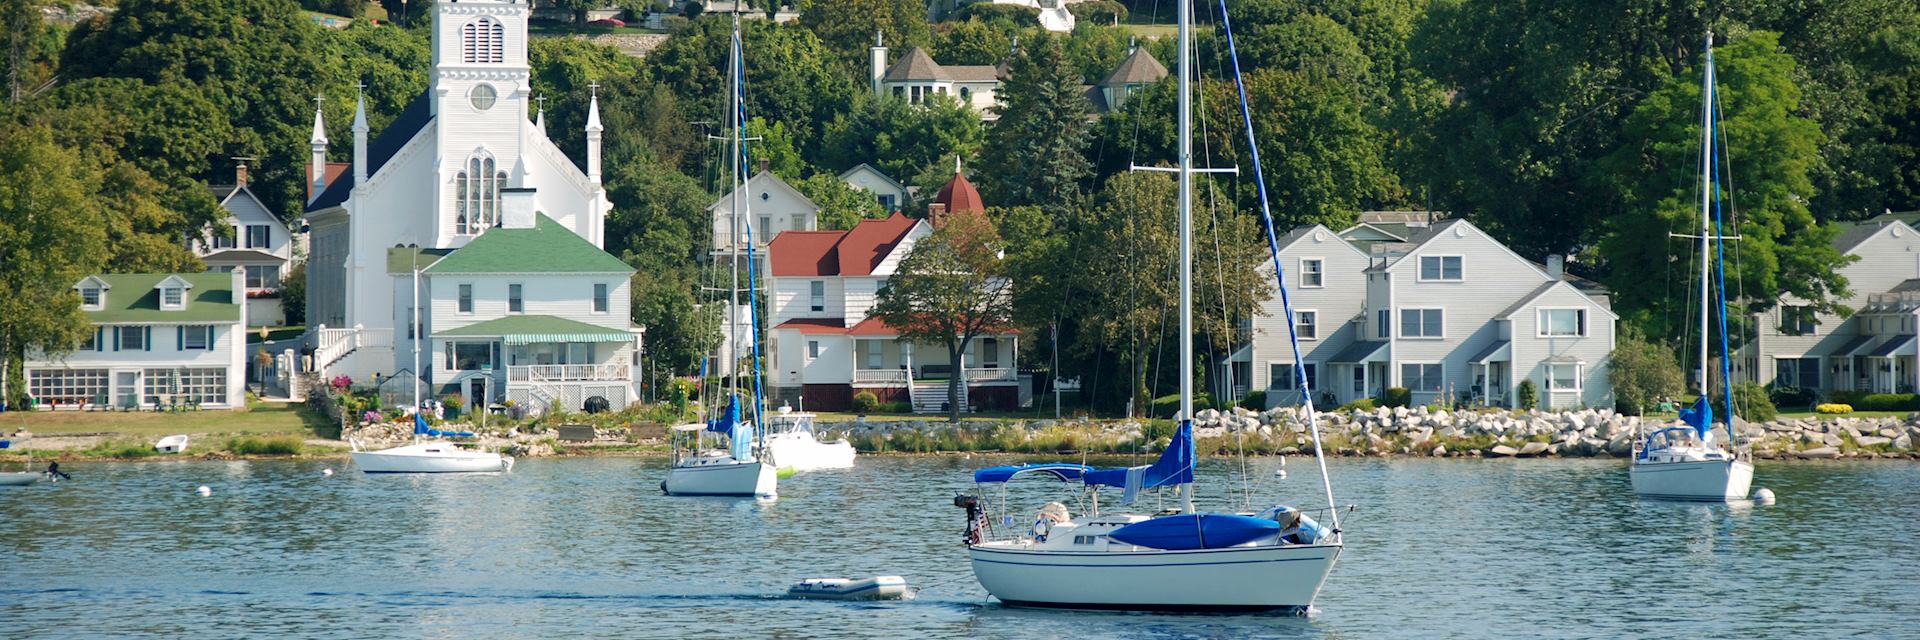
pixel 959 195
pixel 872 326
pixel 815 325
pixel 838 253
pixel 332 172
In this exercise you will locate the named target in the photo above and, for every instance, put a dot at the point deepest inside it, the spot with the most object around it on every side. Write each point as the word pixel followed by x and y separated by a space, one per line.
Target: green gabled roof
pixel 400 260
pixel 131 298
pixel 524 329
pixel 545 248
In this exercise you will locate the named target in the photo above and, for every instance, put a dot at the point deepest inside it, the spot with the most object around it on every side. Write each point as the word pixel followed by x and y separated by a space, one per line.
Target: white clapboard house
pixel 159 340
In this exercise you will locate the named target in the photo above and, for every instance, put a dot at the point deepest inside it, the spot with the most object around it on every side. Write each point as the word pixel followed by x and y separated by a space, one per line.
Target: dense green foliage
pixel 1642 374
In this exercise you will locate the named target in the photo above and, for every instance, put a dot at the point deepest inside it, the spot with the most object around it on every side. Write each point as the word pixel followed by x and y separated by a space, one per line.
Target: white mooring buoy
pixel 203 490
pixel 1763 495
pixel 327 471
pixel 1280 473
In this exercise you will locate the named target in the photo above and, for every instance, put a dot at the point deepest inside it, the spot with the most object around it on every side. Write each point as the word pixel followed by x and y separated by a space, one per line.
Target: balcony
pixel 571 373
pixel 985 376
pixel 880 376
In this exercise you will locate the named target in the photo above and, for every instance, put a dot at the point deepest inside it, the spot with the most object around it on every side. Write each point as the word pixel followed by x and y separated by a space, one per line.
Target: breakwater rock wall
pixel 1418 431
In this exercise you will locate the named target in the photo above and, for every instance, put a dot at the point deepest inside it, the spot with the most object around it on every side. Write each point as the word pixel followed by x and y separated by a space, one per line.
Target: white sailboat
pixel 1685 462
pixel 21 478
pixel 1273 559
pixel 735 471
pixel 793 446
pixel 427 456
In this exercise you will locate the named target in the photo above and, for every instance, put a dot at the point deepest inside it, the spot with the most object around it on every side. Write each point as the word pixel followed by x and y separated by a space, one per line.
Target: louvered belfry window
pixel 483 40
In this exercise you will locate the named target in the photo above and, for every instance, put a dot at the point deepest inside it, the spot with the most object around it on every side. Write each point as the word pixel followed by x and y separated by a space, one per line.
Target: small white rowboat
pixel 874 588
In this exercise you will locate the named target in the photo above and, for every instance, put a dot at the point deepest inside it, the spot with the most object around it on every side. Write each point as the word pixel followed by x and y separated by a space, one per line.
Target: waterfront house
pixel 438 178
pixel 528 312
pixel 1873 348
pixel 916 77
pixel 824 347
pixel 252 241
pixel 158 340
pixel 1444 311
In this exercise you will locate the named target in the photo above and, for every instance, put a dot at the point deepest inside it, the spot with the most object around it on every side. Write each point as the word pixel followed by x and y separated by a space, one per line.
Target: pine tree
pixel 1036 151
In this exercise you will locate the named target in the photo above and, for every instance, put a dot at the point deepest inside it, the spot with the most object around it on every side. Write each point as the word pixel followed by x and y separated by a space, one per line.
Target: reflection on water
pixel 590 548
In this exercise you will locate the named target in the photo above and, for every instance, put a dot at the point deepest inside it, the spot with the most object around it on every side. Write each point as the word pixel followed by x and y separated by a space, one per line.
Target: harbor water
pixel 589 548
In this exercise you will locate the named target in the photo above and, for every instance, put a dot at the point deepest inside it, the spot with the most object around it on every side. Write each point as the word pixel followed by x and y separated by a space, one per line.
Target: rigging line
pixel 1739 281
pixel 1227 389
pixel 1279 273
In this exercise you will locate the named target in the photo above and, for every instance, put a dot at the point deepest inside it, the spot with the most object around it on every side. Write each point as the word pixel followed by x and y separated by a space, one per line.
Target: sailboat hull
pixel 705 478
pixel 431 457
pixel 1239 579
pixel 19 479
pixel 1702 480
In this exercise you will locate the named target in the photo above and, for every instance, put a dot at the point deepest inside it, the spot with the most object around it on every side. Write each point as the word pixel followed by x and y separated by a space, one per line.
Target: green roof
pixel 132 298
pixel 523 329
pixel 400 259
pixel 546 248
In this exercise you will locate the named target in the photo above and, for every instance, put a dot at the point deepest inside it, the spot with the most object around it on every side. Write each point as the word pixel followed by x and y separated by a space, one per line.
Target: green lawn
pixel 275 334
pixel 261 418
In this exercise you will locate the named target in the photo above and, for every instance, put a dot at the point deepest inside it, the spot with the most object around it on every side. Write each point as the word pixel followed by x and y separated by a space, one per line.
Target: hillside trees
pixel 1035 152
pixel 51 235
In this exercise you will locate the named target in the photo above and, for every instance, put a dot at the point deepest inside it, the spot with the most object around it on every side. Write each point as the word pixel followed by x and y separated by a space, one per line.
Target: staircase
pixel 331 347
pixel 931 397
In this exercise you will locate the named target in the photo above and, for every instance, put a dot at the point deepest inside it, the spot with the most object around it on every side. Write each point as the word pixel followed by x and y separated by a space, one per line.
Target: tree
pixel 951 288
pixel 1642 373
pixel 848 26
pixel 900 139
pixel 774 147
pixel 1036 151
pixel 841 205
pixel 51 236
pixel 792 77
pixel 971 42
pixel 1769 158
pixel 293 294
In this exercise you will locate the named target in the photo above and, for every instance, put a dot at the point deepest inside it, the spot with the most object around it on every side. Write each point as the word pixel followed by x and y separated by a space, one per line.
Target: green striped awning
pixel 527 329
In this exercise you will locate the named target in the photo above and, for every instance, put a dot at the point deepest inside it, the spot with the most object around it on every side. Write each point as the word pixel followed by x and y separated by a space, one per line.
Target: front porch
pixel 898 370
pixel 543 367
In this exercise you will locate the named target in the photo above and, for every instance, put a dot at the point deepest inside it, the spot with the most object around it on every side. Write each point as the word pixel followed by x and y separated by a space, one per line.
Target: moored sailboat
pixel 1685 462
pixel 1176 560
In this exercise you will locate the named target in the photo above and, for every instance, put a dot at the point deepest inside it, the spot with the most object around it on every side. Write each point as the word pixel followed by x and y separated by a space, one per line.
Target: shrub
pixel 897 407
pixel 265 446
pixel 122 449
pixel 1256 400
pixel 1397 397
pixel 453 402
pixel 341 383
pixel 1007 13
pixel 1785 396
pixel 865 402
pixel 1833 408
pixel 1641 374
pixel 1100 12
pixel 1527 395
pixel 1167 405
pixel 1750 400
pixel 1889 402
pixel 1363 404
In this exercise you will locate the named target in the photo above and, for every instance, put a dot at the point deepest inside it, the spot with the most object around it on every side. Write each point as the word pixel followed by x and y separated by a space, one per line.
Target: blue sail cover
pixel 739 440
pixel 1064 471
pixel 1700 417
pixel 420 424
pixel 1174 467
pixel 1196 531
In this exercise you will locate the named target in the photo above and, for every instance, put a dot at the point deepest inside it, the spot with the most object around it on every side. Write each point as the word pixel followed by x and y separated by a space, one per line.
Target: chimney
pixel 1556 267
pixel 517 207
pixel 936 213
pixel 240 172
pixel 765 163
pixel 877 62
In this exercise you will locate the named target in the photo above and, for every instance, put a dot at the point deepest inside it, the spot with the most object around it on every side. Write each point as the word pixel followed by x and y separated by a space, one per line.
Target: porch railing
pixel 880 376
pixel 977 376
pixel 570 373
pixel 330 345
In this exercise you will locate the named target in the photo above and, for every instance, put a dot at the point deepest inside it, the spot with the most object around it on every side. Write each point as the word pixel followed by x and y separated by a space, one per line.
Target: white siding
pixel 1492 279
pixel 1336 303
pixel 1885 260
pixel 1531 351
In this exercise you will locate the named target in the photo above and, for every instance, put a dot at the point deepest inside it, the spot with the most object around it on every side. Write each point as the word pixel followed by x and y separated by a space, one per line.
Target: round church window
pixel 483 97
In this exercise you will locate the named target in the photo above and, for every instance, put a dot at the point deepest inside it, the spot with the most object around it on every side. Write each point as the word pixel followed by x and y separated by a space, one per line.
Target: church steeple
pixel 593 134
pixel 360 131
pixel 317 165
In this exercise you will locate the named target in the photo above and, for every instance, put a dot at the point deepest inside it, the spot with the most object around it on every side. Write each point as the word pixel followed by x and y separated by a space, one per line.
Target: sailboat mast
pixel 1706 213
pixel 1185 18
pixel 733 165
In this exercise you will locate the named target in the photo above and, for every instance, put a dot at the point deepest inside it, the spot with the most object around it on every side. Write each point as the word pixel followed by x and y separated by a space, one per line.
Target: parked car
pixel 608 22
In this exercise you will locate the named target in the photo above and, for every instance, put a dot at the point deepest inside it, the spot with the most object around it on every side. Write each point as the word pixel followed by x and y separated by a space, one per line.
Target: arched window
pixel 483 40
pixel 476 191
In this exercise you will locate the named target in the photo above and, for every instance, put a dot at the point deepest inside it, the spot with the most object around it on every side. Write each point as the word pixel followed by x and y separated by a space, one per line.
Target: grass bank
pixel 259 418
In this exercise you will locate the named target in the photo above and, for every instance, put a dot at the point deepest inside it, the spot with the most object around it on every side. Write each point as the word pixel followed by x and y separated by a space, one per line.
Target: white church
pixel 518 299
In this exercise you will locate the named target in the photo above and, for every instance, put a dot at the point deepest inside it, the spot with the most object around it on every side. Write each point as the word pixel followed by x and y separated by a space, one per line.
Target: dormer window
pixel 90 298
pixel 173 298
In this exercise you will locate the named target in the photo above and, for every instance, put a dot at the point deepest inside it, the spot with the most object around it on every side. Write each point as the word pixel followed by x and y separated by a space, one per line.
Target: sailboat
pixel 792 444
pixel 1176 560
pixel 735 471
pixel 19 478
pixel 423 455
pixel 1684 462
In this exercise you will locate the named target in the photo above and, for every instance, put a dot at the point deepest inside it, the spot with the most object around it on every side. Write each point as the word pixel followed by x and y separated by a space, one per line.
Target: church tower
pixel 481 85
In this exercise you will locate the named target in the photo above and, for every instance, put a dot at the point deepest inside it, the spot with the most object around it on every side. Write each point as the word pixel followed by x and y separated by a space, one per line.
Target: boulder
pixel 1440 451
pixel 1871 441
pixel 1503 451
pixel 1820 453
pixel 1620 445
pixel 1533 448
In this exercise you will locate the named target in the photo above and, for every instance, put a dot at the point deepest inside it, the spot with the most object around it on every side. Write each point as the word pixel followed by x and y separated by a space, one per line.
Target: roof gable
pixel 92 281
pixel 402 130
pixel 1546 288
pixel 1140 67
pixel 1457 228
pixel 547 247
pixel 868 244
pixel 173 281
pixel 914 65
pixel 1859 235
pixel 868 169
pixel 764 182
pixel 856 252
pixel 1299 234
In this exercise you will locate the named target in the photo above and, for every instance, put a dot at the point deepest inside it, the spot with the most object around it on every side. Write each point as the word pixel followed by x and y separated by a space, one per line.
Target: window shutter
pixel 147 343
pixel 99 333
pixel 116 338
pixel 180 338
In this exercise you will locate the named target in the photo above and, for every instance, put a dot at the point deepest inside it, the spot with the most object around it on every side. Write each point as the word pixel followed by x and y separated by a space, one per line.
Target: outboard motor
pixel 976 517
